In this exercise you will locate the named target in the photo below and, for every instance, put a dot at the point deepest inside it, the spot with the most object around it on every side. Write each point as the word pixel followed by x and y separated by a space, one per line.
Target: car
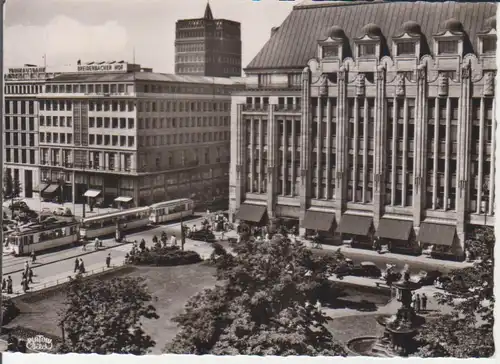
pixel 364 269
pixel 60 211
pixel 202 235
pixel 19 205
pixel 428 278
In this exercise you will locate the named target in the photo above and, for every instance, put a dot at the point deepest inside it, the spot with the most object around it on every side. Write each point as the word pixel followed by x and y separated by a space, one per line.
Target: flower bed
pixel 9 310
pixel 166 257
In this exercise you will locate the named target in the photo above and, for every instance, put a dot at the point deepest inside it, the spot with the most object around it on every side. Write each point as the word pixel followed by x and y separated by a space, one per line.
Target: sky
pixel 106 30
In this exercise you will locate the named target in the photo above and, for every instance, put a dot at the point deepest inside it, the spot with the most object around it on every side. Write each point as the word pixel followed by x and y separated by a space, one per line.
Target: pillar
pixel 379 148
pixel 341 145
pixel 272 150
pixel 305 153
pixel 420 147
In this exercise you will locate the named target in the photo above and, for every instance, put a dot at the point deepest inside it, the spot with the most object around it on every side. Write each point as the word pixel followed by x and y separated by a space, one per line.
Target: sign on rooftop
pixel 103 67
pixel 26 73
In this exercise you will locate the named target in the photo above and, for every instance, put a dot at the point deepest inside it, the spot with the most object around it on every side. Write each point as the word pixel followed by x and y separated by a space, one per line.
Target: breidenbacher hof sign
pixel 120 67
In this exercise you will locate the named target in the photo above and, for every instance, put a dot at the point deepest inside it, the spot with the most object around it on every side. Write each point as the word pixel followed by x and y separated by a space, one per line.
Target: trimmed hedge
pixel 165 257
pixel 9 310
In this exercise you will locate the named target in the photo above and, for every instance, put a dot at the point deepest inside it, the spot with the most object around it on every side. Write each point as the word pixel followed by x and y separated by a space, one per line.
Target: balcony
pixel 255 107
pixel 284 108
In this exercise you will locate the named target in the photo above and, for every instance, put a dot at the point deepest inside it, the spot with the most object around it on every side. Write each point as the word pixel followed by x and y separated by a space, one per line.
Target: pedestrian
pixel 82 266
pixel 24 275
pixel 23 284
pixel 173 240
pixel 424 302
pixel 417 303
pixel 108 260
pixel 30 276
pixel 26 266
pixel 84 246
pixel 77 265
pixel 9 285
pixel 33 256
pixel 4 284
pixel 142 245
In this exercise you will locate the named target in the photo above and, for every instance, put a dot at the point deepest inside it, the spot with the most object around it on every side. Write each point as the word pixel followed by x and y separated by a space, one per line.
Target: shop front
pixel 358 230
pixel 51 193
pixel 253 215
pixel 321 223
pixel 440 241
pixel 399 236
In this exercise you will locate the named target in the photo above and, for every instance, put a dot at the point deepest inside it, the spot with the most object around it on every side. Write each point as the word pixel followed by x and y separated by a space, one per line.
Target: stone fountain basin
pixel 361 345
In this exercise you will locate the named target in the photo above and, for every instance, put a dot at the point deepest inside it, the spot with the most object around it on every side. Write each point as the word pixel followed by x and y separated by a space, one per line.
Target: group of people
pixel 26 279
pixel 79 266
pixel 140 247
pixel 419 302
pixel 7 285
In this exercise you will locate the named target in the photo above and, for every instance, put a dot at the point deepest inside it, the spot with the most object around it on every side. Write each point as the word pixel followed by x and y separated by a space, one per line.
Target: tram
pixel 49 234
pixel 171 210
pixel 105 224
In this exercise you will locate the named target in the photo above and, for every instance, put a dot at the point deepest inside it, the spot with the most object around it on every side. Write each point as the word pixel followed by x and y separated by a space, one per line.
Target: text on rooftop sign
pixel 102 68
pixel 25 70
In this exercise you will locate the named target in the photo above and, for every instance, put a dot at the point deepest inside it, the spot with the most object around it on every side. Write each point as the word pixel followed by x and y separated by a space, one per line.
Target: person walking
pixel 4 285
pixel 33 256
pixel 108 260
pixel 142 245
pixel 77 265
pixel 424 302
pixel 9 285
pixel 82 266
pixel 417 303
pixel 30 276
pixel 23 284
pixel 26 266
pixel 173 240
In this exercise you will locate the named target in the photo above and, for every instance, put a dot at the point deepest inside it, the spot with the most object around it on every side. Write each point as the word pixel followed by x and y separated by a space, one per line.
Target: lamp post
pixel 485 209
pixel 1 151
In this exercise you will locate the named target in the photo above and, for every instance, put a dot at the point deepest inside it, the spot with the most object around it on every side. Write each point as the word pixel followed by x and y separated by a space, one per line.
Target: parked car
pixel 60 211
pixel 19 205
pixel 428 278
pixel 202 235
pixel 364 269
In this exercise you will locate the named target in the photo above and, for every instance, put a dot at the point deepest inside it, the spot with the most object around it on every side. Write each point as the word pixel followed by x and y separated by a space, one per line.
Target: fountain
pixel 400 328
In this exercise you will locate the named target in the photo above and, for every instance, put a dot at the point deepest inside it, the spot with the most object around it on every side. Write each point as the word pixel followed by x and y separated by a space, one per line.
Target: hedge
pixel 166 257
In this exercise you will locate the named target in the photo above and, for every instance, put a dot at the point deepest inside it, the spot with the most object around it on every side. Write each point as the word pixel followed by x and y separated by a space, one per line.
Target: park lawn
pixel 347 328
pixel 170 287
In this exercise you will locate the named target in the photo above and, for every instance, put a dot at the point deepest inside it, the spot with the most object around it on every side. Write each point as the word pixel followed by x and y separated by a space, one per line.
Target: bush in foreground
pixel 165 257
pixel 9 310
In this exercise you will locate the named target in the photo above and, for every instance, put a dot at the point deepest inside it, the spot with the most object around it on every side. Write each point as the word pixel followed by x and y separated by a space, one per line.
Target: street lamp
pixel 485 208
pixel 1 151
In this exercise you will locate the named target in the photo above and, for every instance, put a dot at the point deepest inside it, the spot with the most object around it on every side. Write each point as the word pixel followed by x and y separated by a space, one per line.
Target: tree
pixel 104 317
pixel 11 186
pixel 467 331
pixel 263 306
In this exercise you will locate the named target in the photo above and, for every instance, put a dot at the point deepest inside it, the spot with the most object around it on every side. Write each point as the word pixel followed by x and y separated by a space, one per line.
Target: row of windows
pixel 131 88
pixel 187 138
pixel 23 89
pixel 21 139
pixel 214 59
pixel 113 140
pixel 192 122
pixel 203 34
pixel 58 138
pixel 183 106
pixel 60 121
pixel 22 156
pixel 198 69
pixel 19 107
pixel 113 123
pixel 19 123
pixel 190 47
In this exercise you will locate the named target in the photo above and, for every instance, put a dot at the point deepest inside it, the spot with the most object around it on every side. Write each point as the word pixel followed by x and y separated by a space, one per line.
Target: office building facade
pixel 374 121
pixel 208 47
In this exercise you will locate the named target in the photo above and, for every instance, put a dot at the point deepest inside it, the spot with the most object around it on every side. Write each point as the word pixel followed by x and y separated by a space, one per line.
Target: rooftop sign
pixel 103 67
pixel 26 73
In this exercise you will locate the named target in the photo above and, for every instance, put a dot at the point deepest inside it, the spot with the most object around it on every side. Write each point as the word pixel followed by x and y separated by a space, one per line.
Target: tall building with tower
pixel 208 47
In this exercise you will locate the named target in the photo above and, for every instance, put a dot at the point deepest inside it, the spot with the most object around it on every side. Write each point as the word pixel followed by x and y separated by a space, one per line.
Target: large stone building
pixel 122 131
pixel 371 120
pixel 208 47
pixel 21 125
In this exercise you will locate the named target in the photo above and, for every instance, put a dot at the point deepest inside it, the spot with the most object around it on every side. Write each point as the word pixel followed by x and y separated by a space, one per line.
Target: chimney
pixel 274 30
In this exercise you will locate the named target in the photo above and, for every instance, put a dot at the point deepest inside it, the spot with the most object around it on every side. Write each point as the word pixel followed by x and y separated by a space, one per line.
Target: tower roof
pixel 208 13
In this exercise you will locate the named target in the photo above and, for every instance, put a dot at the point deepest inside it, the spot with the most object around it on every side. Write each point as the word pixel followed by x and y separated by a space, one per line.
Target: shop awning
pixel 123 199
pixel 318 220
pixel 92 193
pixel 252 213
pixel 51 189
pixel 41 187
pixel 355 225
pixel 438 234
pixel 394 229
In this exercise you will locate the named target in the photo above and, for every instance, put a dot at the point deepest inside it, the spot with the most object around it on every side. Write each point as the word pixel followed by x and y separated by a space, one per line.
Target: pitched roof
pixel 142 76
pixel 295 43
pixel 208 13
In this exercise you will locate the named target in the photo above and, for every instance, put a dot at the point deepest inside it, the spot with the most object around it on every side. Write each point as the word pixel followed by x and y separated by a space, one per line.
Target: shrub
pixel 9 310
pixel 166 257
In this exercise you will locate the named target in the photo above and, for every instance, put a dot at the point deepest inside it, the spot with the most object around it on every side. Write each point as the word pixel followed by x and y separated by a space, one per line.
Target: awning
pixel 92 193
pixel 252 213
pixel 41 187
pixel 394 229
pixel 436 234
pixel 123 199
pixel 355 225
pixel 51 188
pixel 317 220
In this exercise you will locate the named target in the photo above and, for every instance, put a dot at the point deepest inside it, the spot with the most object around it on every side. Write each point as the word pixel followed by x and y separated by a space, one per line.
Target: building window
pixel 405 48
pixel 447 47
pixel 330 51
pixel 264 80
pixel 489 45
pixel 366 50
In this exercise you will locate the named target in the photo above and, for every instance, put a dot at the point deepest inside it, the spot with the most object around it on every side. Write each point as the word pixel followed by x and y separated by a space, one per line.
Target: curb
pixel 74 256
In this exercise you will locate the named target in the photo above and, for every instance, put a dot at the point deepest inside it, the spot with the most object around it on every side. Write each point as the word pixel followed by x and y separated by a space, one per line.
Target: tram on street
pixel 106 224
pixel 49 234
pixel 171 210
